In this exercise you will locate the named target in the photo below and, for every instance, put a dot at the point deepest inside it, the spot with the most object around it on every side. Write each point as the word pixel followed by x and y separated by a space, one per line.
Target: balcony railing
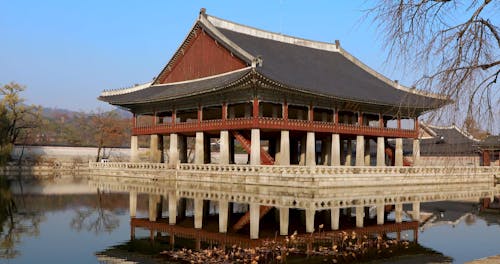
pixel 273 123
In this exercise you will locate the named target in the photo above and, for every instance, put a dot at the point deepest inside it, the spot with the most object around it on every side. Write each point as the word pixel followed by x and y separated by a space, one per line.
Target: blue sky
pixel 67 52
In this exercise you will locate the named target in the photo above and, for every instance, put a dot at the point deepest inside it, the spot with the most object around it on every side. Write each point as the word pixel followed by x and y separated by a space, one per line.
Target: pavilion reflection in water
pixel 364 210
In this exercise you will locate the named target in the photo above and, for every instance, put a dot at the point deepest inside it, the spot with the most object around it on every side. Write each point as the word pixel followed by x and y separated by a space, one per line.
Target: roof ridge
pixel 453 126
pixel 256 32
pixel 203 78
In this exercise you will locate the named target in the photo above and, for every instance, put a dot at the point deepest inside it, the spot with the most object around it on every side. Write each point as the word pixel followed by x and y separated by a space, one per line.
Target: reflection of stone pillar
pixel 284 148
pixel 398 213
pixel 367 152
pixel 172 208
pixel 133 203
pixel 198 213
pixel 154 201
pixel 284 220
pixel 199 153
pixel 254 220
pixel 380 213
pixel 335 150
pixel 380 152
pixel 255 147
pixel 310 220
pixel 311 149
pixel 335 218
pixel 416 152
pixel 416 211
pixel 399 152
pixel 360 150
pixel 224 147
pixel 174 150
pixel 223 216
pixel 348 155
pixel 360 214
pixel 134 149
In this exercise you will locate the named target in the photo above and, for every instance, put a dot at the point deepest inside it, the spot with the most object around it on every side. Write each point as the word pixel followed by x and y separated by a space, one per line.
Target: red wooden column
pixel 255 111
pixel 380 120
pixel 310 114
pixel 486 158
pixel 285 112
pixel 174 117
pixel 336 116
pixel 134 121
pixel 360 118
pixel 224 113
pixel 200 115
pixel 399 122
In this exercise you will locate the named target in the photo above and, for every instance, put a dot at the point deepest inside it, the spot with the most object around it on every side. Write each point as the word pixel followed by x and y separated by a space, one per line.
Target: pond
pixel 54 222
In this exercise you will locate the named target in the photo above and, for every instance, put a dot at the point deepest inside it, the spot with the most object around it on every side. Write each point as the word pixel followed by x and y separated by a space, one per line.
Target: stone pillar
pixel 398 213
pixel 416 152
pixel 255 147
pixel 154 201
pixel 154 152
pixel 302 157
pixel 335 218
pixel 172 208
pixel 311 149
pixel 254 220
pixel 380 213
pixel 326 151
pixel 360 214
pixel 335 150
pixel 360 150
pixel 198 213
pixel 380 151
pixel 199 153
pixel 416 211
pixel 310 220
pixel 367 153
pixel 224 147
pixel 174 150
pixel 134 149
pixel 284 220
pixel 284 148
pixel 223 216
pixel 348 155
pixel 399 152
pixel 133 203
pixel 182 142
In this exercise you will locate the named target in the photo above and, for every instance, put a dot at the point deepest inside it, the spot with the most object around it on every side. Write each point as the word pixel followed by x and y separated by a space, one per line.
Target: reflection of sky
pixel 59 243
pixel 463 242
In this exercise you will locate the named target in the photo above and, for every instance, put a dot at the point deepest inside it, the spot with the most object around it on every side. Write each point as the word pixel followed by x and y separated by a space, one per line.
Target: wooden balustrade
pixel 273 123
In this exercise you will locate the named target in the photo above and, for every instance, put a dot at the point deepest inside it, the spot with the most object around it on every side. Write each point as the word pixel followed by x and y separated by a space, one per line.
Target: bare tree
pixel 453 45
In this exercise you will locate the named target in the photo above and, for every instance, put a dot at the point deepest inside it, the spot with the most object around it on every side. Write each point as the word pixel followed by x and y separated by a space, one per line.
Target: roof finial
pixel 337 43
pixel 203 12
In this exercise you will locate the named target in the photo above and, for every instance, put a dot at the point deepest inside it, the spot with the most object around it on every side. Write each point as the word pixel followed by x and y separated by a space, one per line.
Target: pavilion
pixel 311 103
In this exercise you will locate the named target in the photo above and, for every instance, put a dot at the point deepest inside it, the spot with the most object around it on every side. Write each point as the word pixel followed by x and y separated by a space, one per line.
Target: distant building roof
pixel 491 143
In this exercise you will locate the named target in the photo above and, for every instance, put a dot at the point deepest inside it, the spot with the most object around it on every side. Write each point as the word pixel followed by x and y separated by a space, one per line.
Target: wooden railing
pixel 273 123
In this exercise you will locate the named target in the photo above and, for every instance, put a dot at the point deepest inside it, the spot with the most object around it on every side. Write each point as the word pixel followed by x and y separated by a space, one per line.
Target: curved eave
pixel 171 91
